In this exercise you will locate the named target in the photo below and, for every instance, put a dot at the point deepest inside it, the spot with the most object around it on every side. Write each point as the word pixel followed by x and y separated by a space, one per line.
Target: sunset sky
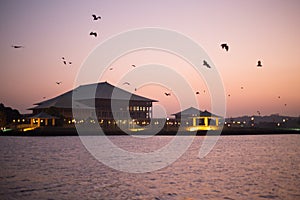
pixel 266 30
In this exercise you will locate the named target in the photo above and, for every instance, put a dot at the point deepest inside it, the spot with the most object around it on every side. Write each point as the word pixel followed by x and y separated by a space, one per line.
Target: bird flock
pixel 94 34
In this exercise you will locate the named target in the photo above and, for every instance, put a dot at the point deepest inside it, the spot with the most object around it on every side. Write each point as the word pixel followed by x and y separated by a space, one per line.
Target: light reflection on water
pixel 238 167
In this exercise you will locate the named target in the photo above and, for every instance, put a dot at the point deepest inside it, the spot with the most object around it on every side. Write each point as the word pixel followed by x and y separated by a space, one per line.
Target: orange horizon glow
pixel 254 31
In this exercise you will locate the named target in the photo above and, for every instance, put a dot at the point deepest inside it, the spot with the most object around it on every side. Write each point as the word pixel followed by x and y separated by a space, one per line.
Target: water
pixel 239 167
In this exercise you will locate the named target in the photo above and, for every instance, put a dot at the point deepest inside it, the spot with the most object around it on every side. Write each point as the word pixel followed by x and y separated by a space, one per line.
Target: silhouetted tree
pixel 8 114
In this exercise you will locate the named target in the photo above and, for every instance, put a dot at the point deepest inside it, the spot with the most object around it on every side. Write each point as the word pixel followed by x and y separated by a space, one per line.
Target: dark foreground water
pixel 239 167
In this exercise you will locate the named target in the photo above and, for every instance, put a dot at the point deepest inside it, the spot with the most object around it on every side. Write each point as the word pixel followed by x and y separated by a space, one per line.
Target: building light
pixel 252 118
pixel 278 124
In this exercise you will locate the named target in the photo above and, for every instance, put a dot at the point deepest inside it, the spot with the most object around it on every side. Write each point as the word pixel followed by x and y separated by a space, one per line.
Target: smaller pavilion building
pixel 193 119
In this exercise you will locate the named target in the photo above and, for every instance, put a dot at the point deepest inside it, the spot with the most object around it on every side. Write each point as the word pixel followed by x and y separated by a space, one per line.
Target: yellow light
pixel 28 129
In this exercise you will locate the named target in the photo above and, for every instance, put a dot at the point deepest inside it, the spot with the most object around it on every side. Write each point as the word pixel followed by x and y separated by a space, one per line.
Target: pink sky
pixel 266 30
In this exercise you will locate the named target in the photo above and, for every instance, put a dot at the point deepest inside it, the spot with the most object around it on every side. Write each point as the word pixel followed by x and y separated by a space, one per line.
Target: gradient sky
pixel 266 30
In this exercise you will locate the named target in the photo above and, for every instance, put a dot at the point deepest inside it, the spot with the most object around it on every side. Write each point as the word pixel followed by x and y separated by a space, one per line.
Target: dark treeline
pixel 7 115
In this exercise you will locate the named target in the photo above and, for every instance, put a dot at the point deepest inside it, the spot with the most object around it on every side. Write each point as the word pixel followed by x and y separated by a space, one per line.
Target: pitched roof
pixel 43 115
pixel 102 90
pixel 189 112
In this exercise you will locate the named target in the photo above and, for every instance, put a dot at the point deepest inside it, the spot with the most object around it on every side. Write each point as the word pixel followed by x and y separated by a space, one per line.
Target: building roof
pixel 43 115
pixel 193 112
pixel 102 90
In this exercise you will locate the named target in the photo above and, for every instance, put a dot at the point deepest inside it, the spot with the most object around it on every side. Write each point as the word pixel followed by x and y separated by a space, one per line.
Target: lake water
pixel 238 167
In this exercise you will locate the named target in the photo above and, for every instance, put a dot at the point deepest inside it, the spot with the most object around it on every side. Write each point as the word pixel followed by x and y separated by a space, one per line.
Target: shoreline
pixel 225 132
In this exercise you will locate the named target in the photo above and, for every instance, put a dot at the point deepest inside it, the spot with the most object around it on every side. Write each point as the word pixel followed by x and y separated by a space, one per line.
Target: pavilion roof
pixel 102 90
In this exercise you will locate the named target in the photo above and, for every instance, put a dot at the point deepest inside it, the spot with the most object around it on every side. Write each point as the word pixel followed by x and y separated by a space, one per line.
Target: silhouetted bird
pixel 133 65
pixel 242 87
pixel 17 46
pixel 44 97
pixel 111 68
pixel 167 94
pixel 63 58
pixel 93 34
pixel 206 64
pixel 197 93
pixel 258 112
pixel 225 46
pixel 58 83
pixel 65 62
pixel 95 17
pixel 278 97
pixel 285 104
pixel 70 63
pixel 229 95
pixel 126 83
pixel 259 64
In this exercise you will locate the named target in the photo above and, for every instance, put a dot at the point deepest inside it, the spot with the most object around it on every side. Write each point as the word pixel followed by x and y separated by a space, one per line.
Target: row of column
pixel 39 122
pixel 205 121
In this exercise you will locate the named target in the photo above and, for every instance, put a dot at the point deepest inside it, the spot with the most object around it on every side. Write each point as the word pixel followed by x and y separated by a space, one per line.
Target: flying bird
pixel 197 92
pixel 65 61
pixel 111 68
pixel 258 112
pixel 126 83
pixel 133 65
pixel 93 33
pixel 242 87
pixel 95 17
pixel 17 46
pixel 206 64
pixel 58 83
pixel 167 94
pixel 278 97
pixel 259 64
pixel 225 46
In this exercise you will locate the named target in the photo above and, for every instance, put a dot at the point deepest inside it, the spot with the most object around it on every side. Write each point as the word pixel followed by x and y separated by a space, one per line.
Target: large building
pixel 105 96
